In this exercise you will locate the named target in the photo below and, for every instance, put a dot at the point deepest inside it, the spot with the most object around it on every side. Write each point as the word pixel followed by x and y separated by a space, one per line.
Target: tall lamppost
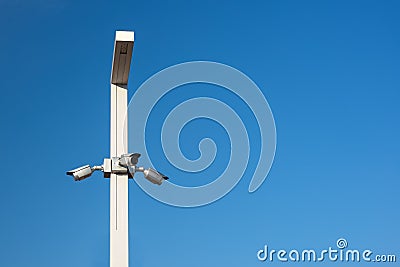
pixel 121 165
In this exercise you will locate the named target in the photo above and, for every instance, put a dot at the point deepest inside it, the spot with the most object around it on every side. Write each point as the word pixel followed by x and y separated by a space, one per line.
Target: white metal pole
pixel 119 251
pixel 119 243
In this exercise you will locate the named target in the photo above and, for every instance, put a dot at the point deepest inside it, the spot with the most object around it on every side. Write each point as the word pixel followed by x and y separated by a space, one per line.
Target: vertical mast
pixel 119 243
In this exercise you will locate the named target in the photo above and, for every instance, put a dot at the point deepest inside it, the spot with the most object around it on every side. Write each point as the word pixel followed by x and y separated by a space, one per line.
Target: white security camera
pixel 81 173
pixel 154 176
pixel 130 159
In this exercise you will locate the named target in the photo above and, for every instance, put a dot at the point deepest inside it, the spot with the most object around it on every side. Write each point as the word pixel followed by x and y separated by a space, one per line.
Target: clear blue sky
pixel 329 69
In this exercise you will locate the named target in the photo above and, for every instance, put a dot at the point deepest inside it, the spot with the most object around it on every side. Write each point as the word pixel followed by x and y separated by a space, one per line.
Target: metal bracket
pixel 126 164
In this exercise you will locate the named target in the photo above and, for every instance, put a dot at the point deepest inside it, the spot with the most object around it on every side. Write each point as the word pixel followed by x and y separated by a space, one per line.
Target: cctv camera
pixel 129 159
pixel 81 173
pixel 154 176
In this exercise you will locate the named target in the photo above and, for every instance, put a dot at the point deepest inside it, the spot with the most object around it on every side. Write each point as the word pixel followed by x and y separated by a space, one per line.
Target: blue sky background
pixel 329 69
